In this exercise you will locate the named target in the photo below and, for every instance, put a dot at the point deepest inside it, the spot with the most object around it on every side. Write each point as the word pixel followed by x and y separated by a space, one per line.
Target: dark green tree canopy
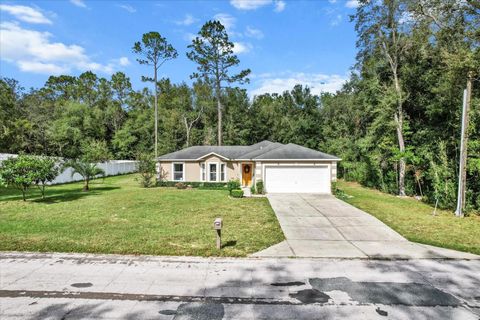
pixel 154 51
pixel 213 52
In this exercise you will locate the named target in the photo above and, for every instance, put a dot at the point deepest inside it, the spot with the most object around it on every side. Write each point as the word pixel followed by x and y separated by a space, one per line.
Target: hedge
pixel 237 193
pixel 196 184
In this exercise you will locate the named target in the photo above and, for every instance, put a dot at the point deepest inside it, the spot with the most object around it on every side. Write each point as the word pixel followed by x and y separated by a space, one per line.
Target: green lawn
pixel 414 220
pixel 118 216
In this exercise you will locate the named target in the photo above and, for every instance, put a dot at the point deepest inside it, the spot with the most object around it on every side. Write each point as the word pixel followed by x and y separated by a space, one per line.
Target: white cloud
pixel 249 4
pixel 78 3
pixel 40 67
pixel 253 33
pixel 33 51
pixel 26 14
pixel 255 4
pixel 279 5
pixel 336 20
pixel 240 47
pixel 352 4
pixel 123 61
pixel 188 20
pixel 226 20
pixel 128 8
pixel 318 82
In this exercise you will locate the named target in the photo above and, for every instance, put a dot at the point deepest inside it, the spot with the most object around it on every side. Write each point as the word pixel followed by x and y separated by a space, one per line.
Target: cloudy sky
pixel 283 42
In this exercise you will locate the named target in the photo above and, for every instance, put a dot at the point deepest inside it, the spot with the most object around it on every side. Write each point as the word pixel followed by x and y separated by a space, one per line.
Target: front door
pixel 246 174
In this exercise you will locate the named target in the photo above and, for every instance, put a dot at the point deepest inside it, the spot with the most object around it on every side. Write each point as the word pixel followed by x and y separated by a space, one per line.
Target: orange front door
pixel 246 174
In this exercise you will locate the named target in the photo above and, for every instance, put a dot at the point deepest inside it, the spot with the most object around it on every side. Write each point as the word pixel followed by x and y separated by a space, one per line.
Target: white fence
pixel 111 168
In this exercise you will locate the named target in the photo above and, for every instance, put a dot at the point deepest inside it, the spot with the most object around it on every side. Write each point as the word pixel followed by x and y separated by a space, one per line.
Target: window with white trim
pixel 203 172
pixel 178 173
pixel 222 172
pixel 212 169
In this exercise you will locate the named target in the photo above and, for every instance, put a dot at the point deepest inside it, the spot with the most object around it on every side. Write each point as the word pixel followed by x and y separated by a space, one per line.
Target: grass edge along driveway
pixel 413 219
pixel 118 216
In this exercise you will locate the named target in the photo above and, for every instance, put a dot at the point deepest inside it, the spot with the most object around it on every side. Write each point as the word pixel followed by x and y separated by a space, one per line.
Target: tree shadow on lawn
pixel 57 196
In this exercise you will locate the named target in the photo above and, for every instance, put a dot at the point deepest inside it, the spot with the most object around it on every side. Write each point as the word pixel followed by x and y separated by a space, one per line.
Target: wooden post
pixel 219 239
pixel 462 173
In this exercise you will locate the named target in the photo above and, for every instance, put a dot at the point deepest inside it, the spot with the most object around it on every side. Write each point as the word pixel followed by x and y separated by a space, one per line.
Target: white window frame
pixel 183 171
pixel 216 171
pixel 203 171
pixel 224 165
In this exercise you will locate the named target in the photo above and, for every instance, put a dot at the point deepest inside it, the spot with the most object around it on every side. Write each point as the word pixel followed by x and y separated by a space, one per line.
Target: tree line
pixel 395 123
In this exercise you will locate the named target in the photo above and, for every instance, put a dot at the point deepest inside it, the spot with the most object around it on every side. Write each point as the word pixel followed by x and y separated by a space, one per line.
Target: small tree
pixel 146 168
pixel 19 172
pixel 95 151
pixel 87 170
pixel 46 170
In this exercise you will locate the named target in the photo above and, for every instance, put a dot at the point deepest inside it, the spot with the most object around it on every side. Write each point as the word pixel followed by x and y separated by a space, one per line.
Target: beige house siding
pixel 192 169
pixel 233 168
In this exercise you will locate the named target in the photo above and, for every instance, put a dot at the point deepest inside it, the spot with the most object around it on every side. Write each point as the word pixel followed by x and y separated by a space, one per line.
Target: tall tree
pixel 382 32
pixel 213 52
pixel 154 51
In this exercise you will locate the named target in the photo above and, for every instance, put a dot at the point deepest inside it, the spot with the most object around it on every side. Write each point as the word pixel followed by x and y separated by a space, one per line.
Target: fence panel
pixel 111 168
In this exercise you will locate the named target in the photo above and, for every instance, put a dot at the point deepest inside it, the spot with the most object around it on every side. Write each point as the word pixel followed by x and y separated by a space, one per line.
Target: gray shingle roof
pixel 260 151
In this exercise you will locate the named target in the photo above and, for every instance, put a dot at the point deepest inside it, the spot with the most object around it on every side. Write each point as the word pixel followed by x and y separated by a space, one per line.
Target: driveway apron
pixel 324 226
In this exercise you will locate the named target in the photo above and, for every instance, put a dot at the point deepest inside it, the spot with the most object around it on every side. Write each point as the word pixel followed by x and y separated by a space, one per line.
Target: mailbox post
pixel 217 226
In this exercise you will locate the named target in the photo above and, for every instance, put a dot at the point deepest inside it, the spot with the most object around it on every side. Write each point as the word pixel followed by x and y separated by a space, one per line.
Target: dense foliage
pixel 413 61
pixel 24 171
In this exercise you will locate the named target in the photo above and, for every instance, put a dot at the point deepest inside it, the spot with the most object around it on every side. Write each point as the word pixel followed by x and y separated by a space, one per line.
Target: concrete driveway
pixel 324 226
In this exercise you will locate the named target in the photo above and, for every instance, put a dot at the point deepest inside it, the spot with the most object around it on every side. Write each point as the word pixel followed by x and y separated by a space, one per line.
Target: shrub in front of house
pixel 180 185
pixel 259 186
pixel 195 184
pixel 233 184
pixel 237 193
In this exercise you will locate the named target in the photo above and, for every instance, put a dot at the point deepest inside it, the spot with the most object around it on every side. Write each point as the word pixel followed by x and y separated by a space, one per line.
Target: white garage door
pixel 297 179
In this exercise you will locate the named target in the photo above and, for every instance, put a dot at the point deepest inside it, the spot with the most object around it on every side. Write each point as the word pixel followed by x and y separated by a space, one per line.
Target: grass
pixel 414 220
pixel 118 216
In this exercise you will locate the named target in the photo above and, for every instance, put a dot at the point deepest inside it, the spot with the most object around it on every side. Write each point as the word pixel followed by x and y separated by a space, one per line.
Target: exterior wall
pixel 334 171
pixel 192 169
pixel 234 168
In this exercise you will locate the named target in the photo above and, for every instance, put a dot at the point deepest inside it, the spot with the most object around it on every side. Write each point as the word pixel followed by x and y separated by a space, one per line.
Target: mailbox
pixel 217 224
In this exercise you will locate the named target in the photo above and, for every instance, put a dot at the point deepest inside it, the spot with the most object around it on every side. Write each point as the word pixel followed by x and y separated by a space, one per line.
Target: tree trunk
pixel 401 142
pixel 23 194
pixel 219 112
pixel 85 185
pixel 187 129
pixel 156 111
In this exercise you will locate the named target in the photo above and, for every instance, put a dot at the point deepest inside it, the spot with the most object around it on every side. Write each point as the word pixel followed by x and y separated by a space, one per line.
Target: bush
pixel 196 184
pixel 236 193
pixel 233 184
pixel 252 189
pixel 259 186
pixel 146 168
pixel 23 171
pixel 180 185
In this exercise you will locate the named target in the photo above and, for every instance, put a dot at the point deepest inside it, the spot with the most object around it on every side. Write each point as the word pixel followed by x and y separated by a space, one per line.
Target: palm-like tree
pixel 87 170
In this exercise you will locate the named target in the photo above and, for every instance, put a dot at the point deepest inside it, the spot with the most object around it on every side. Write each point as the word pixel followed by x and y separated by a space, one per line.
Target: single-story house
pixel 283 168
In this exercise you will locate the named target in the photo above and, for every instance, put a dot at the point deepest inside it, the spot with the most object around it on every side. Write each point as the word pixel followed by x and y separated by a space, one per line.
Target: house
pixel 284 168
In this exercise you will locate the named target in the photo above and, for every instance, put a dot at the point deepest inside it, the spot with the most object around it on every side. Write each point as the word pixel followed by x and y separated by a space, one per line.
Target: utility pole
pixel 462 172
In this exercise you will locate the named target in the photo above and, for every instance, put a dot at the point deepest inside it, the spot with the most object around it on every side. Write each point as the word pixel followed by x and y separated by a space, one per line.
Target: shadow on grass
pixel 230 243
pixel 61 195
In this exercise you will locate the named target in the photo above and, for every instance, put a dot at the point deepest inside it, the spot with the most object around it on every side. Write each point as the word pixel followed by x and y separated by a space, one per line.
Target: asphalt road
pixel 75 286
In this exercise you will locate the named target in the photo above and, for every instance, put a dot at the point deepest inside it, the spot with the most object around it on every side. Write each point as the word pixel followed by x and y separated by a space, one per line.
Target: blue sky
pixel 282 42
